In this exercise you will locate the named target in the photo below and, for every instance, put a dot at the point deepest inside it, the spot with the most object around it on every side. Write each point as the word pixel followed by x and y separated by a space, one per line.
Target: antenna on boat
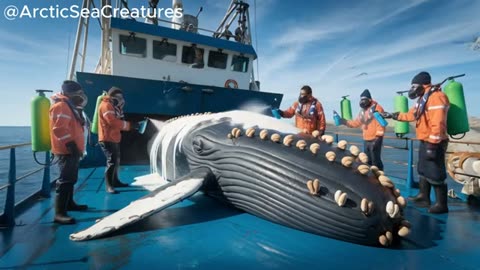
pixel 199 11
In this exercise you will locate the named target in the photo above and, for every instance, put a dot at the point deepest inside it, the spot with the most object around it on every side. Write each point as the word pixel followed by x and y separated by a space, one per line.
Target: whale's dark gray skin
pixel 269 179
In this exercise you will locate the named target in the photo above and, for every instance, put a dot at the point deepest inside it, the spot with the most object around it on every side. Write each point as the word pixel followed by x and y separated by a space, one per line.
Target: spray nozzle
pixel 402 92
pixel 344 97
pixel 42 92
pixel 450 79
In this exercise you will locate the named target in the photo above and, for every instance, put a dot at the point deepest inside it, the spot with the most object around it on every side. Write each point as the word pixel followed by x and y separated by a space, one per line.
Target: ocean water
pixel 24 161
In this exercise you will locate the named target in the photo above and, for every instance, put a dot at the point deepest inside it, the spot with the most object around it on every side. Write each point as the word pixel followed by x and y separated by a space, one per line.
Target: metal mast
pixel 82 24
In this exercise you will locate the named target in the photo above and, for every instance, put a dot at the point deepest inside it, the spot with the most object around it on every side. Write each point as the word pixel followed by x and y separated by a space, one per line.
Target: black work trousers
pixel 373 149
pixel 433 169
pixel 112 153
pixel 68 166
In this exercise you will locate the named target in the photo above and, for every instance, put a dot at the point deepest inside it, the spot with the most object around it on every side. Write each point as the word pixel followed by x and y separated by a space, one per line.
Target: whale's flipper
pixel 148 205
pixel 149 182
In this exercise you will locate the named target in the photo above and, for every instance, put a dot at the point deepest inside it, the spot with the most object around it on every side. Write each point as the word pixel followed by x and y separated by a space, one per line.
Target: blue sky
pixel 325 44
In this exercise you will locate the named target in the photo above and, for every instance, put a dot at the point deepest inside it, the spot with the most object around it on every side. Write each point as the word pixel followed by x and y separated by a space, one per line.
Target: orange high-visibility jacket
pixel 64 127
pixel 305 122
pixel 432 125
pixel 370 128
pixel 109 125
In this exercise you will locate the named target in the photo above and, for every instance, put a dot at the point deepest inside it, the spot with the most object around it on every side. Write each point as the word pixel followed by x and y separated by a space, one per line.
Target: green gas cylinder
pixel 457 120
pixel 40 107
pixel 346 108
pixel 95 114
pixel 401 105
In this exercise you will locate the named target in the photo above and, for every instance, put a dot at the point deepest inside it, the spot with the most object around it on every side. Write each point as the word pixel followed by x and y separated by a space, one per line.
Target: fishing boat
pixel 163 76
pixel 169 68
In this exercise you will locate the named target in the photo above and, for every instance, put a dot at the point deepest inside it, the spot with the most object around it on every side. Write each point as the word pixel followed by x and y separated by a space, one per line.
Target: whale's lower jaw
pixel 294 207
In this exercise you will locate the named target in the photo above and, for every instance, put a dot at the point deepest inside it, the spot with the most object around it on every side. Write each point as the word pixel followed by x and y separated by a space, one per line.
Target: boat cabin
pixel 154 52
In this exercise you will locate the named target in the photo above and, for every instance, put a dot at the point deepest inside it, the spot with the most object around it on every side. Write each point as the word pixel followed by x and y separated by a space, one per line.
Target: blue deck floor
pixel 204 234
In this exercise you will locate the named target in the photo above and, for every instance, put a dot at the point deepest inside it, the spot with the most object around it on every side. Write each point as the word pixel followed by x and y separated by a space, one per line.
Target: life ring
pixel 231 83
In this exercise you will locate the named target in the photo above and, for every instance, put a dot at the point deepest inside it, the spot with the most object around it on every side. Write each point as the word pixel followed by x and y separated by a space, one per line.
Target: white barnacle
pixel 401 201
pixel 310 187
pixel 301 144
pixel 316 186
pixel 403 231
pixel 363 158
pixel 342 145
pixel 354 150
pixel 250 132
pixel 263 134
pixel 328 139
pixel 330 155
pixel 275 137
pixel 287 141
pixel 363 169
pixel 314 147
pixel 347 161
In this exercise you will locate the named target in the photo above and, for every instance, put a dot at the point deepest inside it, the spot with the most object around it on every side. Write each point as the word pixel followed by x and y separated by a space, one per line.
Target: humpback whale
pixel 263 166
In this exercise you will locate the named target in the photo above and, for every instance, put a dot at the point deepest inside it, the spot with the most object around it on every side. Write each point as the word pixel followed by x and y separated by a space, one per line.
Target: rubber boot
pixel 423 197
pixel 109 184
pixel 61 216
pixel 72 205
pixel 119 184
pixel 440 205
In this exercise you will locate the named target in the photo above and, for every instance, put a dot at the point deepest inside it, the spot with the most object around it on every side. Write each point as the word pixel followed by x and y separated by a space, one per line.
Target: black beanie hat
pixel 70 87
pixel 422 78
pixel 366 94
pixel 114 90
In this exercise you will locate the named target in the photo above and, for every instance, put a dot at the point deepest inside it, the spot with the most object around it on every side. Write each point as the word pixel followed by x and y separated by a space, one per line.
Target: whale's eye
pixel 202 146
pixel 197 145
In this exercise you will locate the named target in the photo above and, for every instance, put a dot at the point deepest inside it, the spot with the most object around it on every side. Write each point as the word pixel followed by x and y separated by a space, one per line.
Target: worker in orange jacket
pixel 67 139
pixel 430 114
pixel 372 130
pixel 110 125
pixel 308 112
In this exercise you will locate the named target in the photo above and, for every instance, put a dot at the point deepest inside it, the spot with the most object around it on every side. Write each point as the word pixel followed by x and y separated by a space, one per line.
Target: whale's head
pixel 263 167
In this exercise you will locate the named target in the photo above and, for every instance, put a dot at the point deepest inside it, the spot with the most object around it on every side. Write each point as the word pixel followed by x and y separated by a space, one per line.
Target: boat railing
pixel 7 219
pixel 409 146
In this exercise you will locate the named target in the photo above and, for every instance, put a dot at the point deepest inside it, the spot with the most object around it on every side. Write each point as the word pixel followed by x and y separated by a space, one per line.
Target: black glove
pixel 322 132
pixel 431 151
pixel 134 125
pixel 73 149
pixel 387 115
pixel 343 121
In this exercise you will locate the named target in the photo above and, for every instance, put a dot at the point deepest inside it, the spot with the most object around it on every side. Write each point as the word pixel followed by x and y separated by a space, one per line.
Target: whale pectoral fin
pixel 148 205
pixel 149 182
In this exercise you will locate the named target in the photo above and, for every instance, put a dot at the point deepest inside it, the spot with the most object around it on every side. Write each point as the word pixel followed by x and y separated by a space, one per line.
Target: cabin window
pixel 217 59
pixel 193 55
pixel 165 51
pixel 240 63
pixel 133 46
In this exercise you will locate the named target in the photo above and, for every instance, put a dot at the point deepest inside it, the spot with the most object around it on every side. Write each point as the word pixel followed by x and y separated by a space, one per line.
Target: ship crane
pixel 242 33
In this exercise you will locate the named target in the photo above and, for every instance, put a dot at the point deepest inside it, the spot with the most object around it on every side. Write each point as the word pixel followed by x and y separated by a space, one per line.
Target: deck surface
pixel 202 233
